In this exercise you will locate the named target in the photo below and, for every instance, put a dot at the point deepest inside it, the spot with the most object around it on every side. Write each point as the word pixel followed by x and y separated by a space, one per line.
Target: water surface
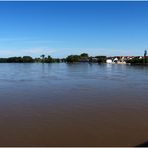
pixel 73 105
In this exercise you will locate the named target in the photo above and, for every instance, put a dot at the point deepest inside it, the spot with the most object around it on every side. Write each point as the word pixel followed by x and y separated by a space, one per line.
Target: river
pixel 73 105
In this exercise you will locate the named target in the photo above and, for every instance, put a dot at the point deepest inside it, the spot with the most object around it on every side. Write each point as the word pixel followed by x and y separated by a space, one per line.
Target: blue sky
pixel 63 28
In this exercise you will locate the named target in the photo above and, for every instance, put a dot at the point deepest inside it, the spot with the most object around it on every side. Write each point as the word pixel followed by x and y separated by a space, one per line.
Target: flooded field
pixel 73 105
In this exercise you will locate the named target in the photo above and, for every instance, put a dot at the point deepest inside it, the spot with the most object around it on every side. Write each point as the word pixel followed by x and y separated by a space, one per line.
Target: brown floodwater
pixel 73 105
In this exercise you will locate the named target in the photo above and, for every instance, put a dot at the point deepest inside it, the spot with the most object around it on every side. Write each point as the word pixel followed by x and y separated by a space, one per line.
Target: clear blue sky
pixel 63 28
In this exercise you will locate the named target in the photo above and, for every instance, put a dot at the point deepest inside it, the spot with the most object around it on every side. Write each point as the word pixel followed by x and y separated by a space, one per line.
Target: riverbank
pixel 139 64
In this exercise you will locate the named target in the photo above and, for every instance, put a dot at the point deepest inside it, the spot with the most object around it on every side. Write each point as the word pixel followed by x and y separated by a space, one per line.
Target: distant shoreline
pixel 130 64
pixel 139 64
pixel 82 58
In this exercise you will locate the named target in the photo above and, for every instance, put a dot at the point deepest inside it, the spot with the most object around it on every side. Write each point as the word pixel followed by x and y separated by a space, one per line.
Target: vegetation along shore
pixel 84 57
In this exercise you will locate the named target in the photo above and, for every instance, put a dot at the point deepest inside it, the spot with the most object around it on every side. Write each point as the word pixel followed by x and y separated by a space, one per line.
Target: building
pixel 109 61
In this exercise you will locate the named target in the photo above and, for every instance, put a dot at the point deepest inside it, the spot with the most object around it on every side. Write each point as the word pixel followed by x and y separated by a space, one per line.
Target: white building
pixel 115 60
pixel 109 61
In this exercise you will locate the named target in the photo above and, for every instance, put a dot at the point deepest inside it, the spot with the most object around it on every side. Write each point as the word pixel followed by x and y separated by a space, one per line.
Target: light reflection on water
pixel 73 105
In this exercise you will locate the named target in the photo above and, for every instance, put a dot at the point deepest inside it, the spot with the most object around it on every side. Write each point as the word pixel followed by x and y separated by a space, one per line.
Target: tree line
pixel 84 57
pixel 29 59
pixel 137 60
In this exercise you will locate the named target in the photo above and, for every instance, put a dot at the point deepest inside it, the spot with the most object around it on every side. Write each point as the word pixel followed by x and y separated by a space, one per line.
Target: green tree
pixel 43 58
pixel 101 59
pixel 27 59
pixel 49 59
pixel 135 60
pixel 84 55
pixel 15 60
pixel 72 58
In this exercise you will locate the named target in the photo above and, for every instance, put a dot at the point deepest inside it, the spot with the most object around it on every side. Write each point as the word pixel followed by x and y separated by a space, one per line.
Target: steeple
pixel 145 53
